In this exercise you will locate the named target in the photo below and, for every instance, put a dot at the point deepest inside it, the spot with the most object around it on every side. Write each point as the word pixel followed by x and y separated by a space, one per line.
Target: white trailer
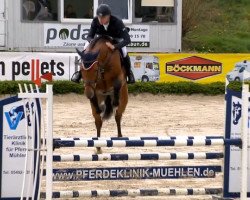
pixel 241 71
pixel 145 68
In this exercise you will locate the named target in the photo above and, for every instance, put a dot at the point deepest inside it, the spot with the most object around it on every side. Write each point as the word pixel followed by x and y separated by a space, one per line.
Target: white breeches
pixel 124 51
pixel 86 45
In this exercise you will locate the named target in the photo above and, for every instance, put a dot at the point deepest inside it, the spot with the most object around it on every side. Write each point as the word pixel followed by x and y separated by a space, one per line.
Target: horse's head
pixel 236 112
pixel 100 65
pixel 90 71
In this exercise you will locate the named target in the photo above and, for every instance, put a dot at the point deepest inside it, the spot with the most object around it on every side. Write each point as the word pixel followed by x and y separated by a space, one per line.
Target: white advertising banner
pixel 30 66
pixel 74 35
pixel 139 35
pixel 65 35
pixel 16 117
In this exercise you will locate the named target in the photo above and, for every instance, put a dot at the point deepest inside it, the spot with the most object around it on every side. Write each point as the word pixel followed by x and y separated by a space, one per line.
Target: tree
pixel 191 11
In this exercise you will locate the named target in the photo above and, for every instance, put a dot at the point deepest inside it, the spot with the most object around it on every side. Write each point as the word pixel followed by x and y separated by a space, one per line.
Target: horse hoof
pixel 98 151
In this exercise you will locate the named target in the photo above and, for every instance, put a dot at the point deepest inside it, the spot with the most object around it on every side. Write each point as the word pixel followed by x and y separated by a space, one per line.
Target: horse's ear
pixel 79 52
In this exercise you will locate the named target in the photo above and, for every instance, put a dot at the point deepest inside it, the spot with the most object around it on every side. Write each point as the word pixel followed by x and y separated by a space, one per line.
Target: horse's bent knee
pixel 117 84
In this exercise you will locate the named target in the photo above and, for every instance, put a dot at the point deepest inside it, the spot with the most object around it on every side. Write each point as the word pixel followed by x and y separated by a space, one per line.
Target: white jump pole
pixel 49 145
pixel 244 138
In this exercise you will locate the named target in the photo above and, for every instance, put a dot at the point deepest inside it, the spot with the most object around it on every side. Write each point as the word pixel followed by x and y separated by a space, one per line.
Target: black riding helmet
pixel 103 10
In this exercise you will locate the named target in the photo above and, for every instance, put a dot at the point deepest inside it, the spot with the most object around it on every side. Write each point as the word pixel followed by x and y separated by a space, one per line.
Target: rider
pixel 106 24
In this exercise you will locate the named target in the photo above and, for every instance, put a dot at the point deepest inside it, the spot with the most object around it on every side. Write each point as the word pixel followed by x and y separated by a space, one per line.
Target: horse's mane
pixel 102 37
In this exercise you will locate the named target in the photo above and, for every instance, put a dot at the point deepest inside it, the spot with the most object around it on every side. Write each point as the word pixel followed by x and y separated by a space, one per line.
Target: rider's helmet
pixel 103 10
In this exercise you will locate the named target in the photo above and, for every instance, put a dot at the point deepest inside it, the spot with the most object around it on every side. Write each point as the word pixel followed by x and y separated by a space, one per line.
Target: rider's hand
pixel 111 46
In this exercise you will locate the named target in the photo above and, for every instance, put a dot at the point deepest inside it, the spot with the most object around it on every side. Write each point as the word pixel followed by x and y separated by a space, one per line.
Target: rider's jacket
pixel 115 29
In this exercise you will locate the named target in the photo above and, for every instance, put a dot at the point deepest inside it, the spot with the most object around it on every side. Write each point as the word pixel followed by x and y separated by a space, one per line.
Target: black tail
pixel 109 108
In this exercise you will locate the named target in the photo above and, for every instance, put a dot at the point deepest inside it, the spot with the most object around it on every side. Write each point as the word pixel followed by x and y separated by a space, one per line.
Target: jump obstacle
pixel 124 173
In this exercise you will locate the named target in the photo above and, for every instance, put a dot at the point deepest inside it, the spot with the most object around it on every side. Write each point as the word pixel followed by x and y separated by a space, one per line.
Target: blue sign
pixel 13 118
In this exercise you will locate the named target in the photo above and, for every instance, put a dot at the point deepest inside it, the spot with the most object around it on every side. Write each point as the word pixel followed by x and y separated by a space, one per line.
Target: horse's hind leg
pixel 121 108
pixel 118 117
pixel 117 88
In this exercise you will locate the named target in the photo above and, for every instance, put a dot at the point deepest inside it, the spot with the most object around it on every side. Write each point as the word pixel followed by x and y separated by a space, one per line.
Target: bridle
pixel 99 71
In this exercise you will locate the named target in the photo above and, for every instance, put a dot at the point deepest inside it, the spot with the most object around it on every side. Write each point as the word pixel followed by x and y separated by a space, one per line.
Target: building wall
pixel 29 36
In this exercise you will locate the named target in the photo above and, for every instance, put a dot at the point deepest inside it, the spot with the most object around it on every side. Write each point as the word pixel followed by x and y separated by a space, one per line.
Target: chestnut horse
pixel 105 82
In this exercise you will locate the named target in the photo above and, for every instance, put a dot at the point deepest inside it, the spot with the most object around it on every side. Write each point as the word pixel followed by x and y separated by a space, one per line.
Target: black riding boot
pixel 129 73
pixel 76 77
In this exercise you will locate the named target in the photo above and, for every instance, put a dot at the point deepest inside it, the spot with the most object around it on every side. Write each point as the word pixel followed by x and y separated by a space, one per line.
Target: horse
pixel 105 82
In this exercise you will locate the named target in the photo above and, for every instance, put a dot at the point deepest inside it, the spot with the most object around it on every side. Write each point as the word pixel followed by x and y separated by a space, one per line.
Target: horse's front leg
pixel 98 124
pixel 117 88
pixel 94 102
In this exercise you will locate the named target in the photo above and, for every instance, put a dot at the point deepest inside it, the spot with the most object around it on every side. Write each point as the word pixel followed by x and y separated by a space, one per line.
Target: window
pixel 39 10
pixel 154 11
pixel 156 66
pixel 78 9
pixel 167 3
pixel 149 65
pixel 137 65
pixel 119 7
pixel 84 11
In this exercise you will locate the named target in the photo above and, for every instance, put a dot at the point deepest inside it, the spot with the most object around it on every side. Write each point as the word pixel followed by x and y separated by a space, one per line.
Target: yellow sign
pixel 201 68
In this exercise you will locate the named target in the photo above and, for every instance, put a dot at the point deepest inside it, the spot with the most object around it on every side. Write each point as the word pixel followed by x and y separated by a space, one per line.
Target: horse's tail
pixel 109 108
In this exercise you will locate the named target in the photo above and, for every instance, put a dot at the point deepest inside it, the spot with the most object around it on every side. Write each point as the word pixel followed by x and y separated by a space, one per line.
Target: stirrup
pixel 76 77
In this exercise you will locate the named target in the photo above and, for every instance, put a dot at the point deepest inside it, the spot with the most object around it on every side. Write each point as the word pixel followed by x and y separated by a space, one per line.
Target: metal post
pixel 244 138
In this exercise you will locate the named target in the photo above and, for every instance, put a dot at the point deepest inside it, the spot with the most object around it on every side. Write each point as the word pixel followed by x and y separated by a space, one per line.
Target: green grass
pixel 223 27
